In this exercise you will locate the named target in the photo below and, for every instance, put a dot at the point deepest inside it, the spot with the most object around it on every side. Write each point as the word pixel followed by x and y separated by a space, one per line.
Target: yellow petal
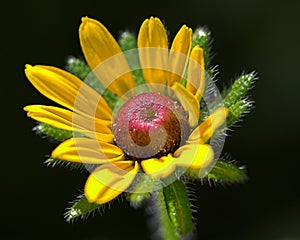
pixel 110 180
pixel 153 50
pixel 85 150
pixel 188 102
pixel 159 168
pixel 68 91
pixel 196 73
pixel 67 120
pixel 207 128
pixel 194 156
pixel 178 57
pixel 105 57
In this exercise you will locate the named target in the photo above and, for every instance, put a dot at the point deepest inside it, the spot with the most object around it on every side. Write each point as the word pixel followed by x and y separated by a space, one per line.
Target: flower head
pixel 155 132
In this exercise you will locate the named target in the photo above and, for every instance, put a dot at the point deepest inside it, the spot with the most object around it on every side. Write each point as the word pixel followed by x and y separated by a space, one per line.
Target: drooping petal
pixel 67 90
pixel 110 180
pixel 178 56
pixel 196 73
pixel 85 150
pixel 153 50
pixel 190 156
pixel 159 168
pixel 67 120
pixel 188 102
pixel 208 127
pixel 104 56
pixel 194 156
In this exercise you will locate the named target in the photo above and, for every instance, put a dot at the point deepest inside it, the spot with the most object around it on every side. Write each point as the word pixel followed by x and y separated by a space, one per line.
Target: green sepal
pixel 222 172
pixel 201 37
pixel 237 110
pixel 81 208
pixel 128 44
pixel 53 162
pixel 174 211
pixel 179 207
pixel 52 133
pixel 78 67
pixel 166 227
pixel 141 190
pixel 81 70
pixel 238 89
pixel 225 172
pixel 127 41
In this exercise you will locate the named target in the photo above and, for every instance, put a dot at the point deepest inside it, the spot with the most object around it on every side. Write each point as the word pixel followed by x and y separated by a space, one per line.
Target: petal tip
pixel 186 28
pixel 84 19
pixel 28 70
pixel 28 67
pixel 154 20
pixel 26 108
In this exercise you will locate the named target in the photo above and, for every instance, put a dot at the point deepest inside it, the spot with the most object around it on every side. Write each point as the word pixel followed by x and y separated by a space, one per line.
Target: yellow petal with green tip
pixel 110 180
pixel 104 56
pixel 208 127
pixel 178 56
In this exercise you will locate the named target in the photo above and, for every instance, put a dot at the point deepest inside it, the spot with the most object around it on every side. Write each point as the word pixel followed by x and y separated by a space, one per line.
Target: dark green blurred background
pixel 248 35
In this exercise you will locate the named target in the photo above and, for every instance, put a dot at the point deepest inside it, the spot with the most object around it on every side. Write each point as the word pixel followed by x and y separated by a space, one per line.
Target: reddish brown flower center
pixel 150 125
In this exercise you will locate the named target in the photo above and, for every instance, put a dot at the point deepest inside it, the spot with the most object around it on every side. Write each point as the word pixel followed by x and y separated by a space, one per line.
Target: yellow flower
pixel 87 113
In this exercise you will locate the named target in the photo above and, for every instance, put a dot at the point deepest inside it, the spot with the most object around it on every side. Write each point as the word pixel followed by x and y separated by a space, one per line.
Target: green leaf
pixel 239 89
pixel 225 172
pixel 201 37
pixel 52 132
pixel 81 208
pixel 237 110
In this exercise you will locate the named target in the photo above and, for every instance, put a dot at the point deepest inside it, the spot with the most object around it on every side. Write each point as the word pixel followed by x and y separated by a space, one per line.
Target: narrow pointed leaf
pixel 53 133
pixel 239 89
pixel 166 228
pixel 178 207
pixel 55 162
pixel 237 110
pixel 225 172
pixel 222 172
pixel 81 208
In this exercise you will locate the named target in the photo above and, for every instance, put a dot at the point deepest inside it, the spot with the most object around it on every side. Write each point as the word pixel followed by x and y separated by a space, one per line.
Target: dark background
pixel 248 35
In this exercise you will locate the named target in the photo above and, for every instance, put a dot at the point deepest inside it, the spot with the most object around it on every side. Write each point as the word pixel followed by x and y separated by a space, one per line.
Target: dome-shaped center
pixel 150 125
